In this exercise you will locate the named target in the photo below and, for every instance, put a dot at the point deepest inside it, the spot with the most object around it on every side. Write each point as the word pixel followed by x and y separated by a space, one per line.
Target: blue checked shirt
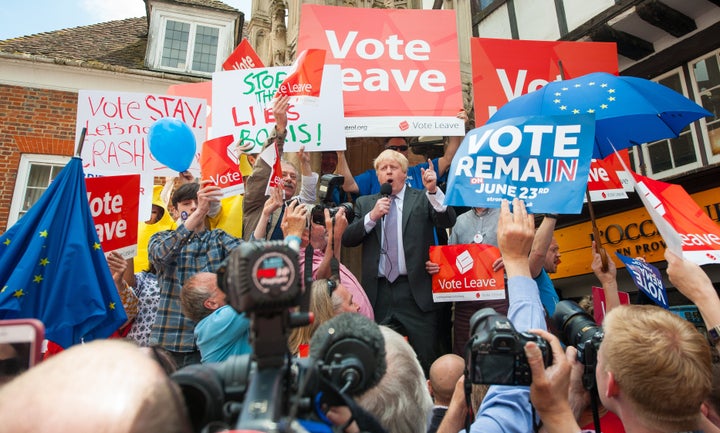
pixel 177 255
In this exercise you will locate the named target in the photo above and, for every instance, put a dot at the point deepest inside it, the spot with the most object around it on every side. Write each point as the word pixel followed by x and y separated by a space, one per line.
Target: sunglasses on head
pixel 398 148
pixel 331 286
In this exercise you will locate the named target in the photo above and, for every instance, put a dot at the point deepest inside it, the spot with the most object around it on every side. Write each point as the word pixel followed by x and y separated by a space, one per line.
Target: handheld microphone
pixel 385 189
pixel 352 350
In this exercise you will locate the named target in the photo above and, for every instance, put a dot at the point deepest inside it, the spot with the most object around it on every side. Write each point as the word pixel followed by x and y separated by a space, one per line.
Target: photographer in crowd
pixel 507 408
pixel 653 371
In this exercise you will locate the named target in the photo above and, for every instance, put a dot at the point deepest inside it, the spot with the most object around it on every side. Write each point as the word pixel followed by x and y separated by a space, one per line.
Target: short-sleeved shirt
pixel 178 255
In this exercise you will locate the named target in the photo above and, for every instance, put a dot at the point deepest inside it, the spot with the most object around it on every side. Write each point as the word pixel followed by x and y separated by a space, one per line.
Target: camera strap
pixel 334 264
pixel 307 279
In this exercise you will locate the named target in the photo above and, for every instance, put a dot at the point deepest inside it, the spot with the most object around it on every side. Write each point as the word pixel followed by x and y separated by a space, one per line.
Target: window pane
pixel 683 151
pixel 39 178
pixel 174 54
pixel 659 156
pixel 707 74
pixel 206 48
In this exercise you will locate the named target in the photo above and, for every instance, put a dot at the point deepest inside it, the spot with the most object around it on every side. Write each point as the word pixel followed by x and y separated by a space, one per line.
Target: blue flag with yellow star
pixel 52 267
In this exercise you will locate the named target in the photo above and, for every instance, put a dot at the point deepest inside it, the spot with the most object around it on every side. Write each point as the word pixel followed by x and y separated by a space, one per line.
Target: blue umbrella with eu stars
pixel 52 266
pixel 628 110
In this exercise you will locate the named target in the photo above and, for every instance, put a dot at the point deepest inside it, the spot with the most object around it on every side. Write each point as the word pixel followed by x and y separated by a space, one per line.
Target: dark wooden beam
pixel 664 17
pixel 699 44
pixel 628 45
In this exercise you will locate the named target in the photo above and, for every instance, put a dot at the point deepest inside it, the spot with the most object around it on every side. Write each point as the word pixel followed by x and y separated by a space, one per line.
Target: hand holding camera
pixel 549 389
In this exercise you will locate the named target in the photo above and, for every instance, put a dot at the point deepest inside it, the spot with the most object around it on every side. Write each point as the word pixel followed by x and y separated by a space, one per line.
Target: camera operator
pixel 507 408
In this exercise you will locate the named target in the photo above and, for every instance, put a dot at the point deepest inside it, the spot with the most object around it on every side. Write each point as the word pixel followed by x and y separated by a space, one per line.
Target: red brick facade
pixel 34 121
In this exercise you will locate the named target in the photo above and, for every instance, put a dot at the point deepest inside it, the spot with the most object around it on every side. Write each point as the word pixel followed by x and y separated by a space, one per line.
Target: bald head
pixel 106 385
pixel 444 373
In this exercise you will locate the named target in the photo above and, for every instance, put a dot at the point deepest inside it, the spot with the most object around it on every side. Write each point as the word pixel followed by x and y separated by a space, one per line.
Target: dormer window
pixel 179 36
pixel 189 40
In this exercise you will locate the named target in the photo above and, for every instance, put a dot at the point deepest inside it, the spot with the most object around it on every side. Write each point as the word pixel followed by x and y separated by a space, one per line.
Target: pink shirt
pixel 347 279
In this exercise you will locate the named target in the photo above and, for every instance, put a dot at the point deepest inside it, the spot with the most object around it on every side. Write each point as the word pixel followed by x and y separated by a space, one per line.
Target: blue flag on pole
pixel 52 266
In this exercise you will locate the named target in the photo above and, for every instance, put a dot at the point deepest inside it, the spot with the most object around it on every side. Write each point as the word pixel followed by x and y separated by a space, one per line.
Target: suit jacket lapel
pixel 411 196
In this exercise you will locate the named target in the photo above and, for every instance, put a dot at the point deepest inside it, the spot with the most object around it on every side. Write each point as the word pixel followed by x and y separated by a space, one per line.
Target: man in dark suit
pixel 396 232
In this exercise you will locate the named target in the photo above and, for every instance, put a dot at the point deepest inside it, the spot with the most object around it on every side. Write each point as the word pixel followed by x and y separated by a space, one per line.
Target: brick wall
pixel 33 121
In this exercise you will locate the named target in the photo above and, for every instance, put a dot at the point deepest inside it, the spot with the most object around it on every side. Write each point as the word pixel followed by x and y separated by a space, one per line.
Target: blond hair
pixel 660 362
pixel 323 306
pixel 391 155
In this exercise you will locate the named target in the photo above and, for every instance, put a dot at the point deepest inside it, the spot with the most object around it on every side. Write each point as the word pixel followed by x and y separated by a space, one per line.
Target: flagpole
pixel 81 142
pixel 596 233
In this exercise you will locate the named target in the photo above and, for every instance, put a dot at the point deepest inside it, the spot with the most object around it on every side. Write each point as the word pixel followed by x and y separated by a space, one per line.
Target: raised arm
pixel 452 147
pixel 343 169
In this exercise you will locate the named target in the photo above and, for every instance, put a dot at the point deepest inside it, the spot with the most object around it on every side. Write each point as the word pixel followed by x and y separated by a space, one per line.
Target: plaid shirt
pixel 177 255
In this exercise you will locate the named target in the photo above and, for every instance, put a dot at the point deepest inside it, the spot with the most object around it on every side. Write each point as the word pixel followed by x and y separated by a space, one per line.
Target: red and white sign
pixel 114 202
pixel 603 182
pixel 196 90
pixel 244 57
pixel 117 130
pixel 676 214
pixel 466 273
pixel 271 155
pixel 504 69
pixel 220 163
pixel 400 67
pixel 599 304
pixel 305 77
pixel 242 107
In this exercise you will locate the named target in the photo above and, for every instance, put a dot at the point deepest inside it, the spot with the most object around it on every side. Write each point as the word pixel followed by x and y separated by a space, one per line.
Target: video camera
pixel 329 184
pixel 495 353
pixel 269 391
pixel 579 329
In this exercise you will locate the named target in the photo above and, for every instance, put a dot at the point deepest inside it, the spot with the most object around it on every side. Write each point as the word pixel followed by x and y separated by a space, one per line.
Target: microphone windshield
pixel 354 349
pixel 385 189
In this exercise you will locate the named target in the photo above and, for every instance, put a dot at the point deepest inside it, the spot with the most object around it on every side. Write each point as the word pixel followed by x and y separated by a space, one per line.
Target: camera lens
pixel 576 325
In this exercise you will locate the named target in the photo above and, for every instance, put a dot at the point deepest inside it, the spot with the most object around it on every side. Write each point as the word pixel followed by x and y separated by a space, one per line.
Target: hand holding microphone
pixel 382 206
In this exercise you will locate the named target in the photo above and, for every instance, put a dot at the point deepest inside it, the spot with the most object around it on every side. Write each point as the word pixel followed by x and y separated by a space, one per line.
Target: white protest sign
pixel 242 107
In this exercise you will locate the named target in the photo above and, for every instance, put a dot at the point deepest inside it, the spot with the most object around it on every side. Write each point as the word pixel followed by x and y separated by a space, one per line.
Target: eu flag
pixel 52 266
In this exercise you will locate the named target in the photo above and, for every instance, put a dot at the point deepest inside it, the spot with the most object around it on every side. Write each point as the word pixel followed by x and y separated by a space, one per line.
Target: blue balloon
pixel 172 143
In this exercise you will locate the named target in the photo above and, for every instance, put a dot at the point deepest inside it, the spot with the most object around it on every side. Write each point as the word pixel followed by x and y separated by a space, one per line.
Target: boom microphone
pixel 352 348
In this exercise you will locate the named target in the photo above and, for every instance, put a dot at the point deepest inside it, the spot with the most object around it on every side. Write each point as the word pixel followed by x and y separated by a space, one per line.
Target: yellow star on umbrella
pixel 19 293
pixel 44 234
pixel 37 279
pixel 96 246
pixel 7 241
pixel 44 261
pixel 112 305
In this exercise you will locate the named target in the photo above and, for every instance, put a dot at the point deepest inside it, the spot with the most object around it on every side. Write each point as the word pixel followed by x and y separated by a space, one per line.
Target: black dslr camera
pixel 579 329
pixel 329 185
pixel 495 353
pixel 270 391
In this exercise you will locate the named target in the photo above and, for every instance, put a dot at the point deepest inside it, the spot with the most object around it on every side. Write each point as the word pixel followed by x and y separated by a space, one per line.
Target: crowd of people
pixel 653 371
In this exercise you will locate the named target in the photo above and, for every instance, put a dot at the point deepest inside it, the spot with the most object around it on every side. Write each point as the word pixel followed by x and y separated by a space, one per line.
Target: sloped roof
pixel 206 3
pixel 118 43
pixel 112 44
